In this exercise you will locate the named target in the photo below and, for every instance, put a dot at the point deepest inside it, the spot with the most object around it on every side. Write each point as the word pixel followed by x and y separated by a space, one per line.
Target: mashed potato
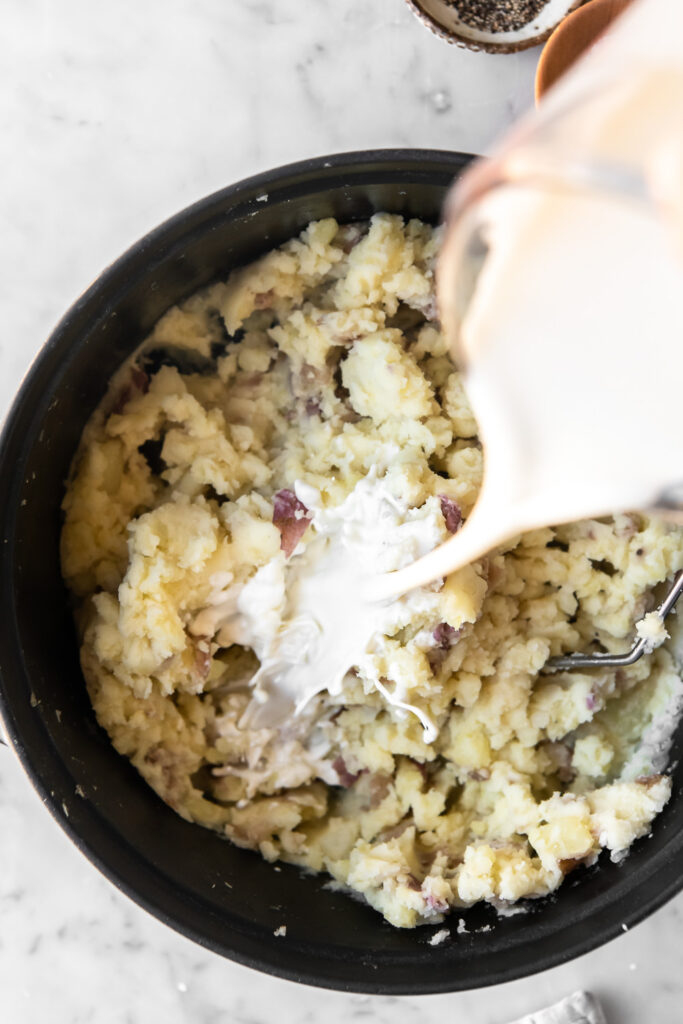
pixel 316 368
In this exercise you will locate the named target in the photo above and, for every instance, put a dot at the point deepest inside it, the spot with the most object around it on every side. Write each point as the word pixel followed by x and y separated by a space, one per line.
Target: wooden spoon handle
pixel 573 36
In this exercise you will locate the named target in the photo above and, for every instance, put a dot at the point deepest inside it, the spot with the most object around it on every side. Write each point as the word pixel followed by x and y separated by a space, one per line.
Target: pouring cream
pixel 560 286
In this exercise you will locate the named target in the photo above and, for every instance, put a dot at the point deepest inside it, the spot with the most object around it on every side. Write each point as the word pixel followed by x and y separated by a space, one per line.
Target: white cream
pixel 308 618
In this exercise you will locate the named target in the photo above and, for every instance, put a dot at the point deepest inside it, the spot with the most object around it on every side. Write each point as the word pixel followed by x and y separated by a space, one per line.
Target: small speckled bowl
pixel 441 18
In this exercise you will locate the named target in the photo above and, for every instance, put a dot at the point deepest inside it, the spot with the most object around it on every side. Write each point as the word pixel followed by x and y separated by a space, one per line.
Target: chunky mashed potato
pixel 317 367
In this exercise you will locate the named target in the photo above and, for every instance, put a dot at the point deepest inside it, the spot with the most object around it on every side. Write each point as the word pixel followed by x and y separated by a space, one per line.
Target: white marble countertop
pixel 113 117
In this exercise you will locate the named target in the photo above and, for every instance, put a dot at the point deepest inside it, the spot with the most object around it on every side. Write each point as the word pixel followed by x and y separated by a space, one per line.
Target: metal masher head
pixel 569 662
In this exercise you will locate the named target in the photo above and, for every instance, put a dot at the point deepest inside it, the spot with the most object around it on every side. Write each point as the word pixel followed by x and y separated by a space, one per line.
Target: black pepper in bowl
pixel 497 15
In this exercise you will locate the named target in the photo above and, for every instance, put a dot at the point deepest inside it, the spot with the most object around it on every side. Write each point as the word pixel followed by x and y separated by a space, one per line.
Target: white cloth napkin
pixel 579 1008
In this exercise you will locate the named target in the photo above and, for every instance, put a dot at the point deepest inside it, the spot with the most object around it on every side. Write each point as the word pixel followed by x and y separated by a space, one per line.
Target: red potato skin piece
pixel 291 518
pixel 451 512
pixel 649 780
pixel 445 636
pixel 437 906
pixel 346 778
pixel 379 788
pixel 262 300
pixel 137 384
pixel 349 237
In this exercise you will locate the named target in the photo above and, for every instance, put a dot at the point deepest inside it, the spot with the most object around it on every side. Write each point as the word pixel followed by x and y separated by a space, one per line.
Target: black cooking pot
pixel 225 898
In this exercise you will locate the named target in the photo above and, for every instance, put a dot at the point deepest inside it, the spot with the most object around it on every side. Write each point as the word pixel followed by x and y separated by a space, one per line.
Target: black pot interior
pixel 229 899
